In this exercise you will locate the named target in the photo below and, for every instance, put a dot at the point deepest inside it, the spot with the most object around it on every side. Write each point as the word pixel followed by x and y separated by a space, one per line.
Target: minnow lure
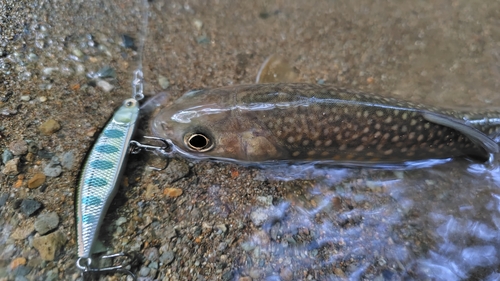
pixel 310 122
pixel 100 177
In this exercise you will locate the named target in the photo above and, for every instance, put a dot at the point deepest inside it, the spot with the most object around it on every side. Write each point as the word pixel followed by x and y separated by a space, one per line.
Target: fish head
pixel 208 125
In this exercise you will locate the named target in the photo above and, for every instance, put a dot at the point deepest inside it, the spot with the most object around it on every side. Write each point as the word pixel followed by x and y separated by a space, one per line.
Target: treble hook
pixel 165 147
pixel 121 268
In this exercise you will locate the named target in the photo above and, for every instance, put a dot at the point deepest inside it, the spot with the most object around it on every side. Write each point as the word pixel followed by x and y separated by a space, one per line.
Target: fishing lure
pixel 101 174
pixel 310 122
pixel 100 177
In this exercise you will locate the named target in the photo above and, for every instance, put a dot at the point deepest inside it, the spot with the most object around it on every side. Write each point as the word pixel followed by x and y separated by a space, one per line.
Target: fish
pixel 300 122
pixel 100 178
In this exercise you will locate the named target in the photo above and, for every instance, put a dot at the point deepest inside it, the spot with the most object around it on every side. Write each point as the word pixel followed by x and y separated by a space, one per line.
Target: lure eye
pixel 130 103
pixel 198 142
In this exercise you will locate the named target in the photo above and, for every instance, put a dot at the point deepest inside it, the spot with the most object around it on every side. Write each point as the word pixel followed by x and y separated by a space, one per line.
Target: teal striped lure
pixel 100 178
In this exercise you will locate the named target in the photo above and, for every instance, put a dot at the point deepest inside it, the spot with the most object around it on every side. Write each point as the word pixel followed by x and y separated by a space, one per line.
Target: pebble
pixel 42 99
pixel 11 167
pixel 105 72
pixel 37 180
pixel 259 216
pixel 245 278
pixel 105 86
pixel 46 222
pixel 144 271
pixel 286 274
pixel 49 127
pixel 18 147
pixel 25 98
pixel 3 199
pixel 53 168
pixel 176 170
pixel 17 262
pixel 6 156
pixel 77 52
pixel 265 200
pixel 198 24
pixel 163 81
pixel 128 42
pixel 68 160
pixel 151 254
pixel 120 221
pixel 172 192
pixel 167 257
pixel 151 191
pixel 23 231
pixel 49 245
pixel 29 206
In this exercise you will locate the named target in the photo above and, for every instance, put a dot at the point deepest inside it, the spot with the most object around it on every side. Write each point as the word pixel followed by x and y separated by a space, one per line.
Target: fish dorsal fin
pixel 476 136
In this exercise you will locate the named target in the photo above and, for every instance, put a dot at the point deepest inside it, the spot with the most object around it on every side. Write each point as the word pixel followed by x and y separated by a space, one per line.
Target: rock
pixel 11 167
pixel 265 200
pixel 23 231
pixel 6 156
pixel 49 245
pixel 18 147
pixel 151 254
pixel 286 274
pixel 3 199
pixel 128 42
pixel 167 257
pixel 68 160
pixel 120 221
pixel 259 216
pixel 17 262
pixel 53 169
pixel 163 81
pixel 29 206
pixel 176 170
pixel 105 86
pixel 49 127
pixel 37 180
pixel 144 271
pixel 172 192
pixel 46 222
pixel 105 72
pixel 151 191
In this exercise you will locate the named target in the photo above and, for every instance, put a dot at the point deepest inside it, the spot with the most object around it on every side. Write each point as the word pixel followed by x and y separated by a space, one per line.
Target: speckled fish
pixel 309 122
pixel 101 175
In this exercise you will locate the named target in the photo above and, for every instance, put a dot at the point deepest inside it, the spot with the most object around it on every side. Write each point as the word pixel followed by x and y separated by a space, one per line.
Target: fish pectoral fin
pixel 476 136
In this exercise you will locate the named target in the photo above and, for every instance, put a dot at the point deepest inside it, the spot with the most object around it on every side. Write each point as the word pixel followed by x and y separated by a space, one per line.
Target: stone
pixel 172 192
pixel 29 206
pixel 19 147
pixel 46 222
pixel 49 127
pixel 11 167
pixel 49 245
pixel 23 231
pixel 37 180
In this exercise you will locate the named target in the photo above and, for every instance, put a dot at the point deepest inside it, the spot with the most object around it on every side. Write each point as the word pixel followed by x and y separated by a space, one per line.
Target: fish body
pixel 101 174
pixel 309 122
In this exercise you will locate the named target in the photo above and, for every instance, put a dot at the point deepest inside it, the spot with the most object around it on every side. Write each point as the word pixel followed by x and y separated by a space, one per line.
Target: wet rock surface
pixel 65 67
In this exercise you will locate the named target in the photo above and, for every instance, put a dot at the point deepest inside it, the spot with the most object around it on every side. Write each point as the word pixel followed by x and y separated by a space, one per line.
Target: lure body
pixel 101 174
pixel 308 122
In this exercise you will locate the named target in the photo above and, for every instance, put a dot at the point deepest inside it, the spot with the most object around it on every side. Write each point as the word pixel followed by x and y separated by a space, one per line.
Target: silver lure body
pixel 101 175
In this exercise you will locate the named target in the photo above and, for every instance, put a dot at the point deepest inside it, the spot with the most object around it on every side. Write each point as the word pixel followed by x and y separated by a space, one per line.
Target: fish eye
pixel 198 142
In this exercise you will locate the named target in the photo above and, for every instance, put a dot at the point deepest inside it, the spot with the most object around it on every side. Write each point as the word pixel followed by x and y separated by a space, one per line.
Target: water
pixel 293 223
